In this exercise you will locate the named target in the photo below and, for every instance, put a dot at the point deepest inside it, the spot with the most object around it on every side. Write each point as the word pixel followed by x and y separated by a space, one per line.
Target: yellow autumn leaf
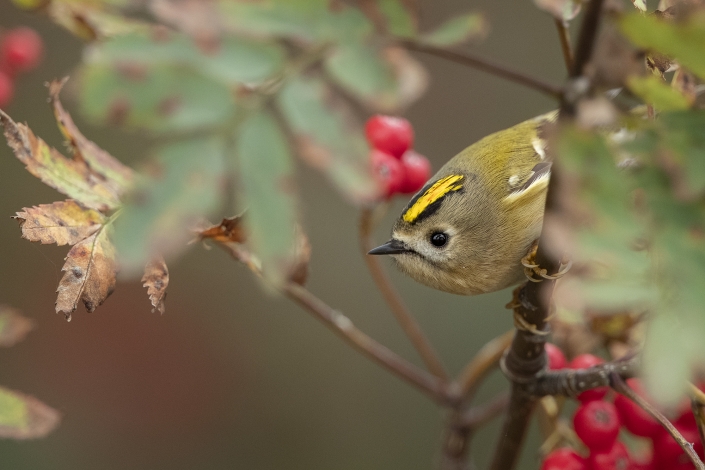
pixel 62 222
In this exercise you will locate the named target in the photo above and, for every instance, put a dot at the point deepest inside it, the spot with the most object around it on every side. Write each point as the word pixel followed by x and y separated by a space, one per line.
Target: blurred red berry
pixel 633 417
pixel 556 358
pixel 417 170
pixel 615 458
pixel 585 361
pixel 393 135
pixel 21 49
pixel 6 89
pixel 563 459
pixel 388 171
pixel 669 454
pixel 686 419
pixel 597 424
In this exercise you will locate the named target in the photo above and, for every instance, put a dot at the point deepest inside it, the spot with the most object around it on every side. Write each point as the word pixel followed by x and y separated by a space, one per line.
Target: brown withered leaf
pixel 116 175
pixel 74 178
pixel 228 230
pixel 91 20
pixel 62 222
pixel 90 274
pixel 156 280
pixel 13 326
pixel 24 417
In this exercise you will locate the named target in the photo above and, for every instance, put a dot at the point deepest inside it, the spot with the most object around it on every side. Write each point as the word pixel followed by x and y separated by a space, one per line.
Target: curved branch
pixel 486 65
pixel 482 363
pixel 621 386
pixel 345 329
pixel 396 304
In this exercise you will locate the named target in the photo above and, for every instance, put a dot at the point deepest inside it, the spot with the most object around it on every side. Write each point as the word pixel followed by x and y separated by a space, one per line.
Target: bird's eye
pixel 439 239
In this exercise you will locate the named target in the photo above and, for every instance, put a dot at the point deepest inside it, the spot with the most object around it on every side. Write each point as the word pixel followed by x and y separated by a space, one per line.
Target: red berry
pixel 417 170
pixel 556 359
pixel 389 134
pixel 21 49
pixel 669 454
pixel 585 361
pixel 388 172
pixel 597 424
pixel 6 89
pixel 633 417
pixel 563 459
pixel 615 458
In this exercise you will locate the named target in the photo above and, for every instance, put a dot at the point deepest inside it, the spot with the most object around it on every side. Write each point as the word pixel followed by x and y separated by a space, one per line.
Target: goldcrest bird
pixel 466 231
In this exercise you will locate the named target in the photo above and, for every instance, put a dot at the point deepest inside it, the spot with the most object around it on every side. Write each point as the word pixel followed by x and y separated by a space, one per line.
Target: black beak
pixel 392 247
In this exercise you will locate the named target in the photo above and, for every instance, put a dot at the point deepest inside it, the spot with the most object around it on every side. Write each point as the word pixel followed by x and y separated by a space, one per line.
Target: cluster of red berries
pixel 397 167
pixel 20 51
pixel 599 419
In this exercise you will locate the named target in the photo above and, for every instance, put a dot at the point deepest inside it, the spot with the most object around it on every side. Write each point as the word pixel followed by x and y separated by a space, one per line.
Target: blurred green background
pixel 230 376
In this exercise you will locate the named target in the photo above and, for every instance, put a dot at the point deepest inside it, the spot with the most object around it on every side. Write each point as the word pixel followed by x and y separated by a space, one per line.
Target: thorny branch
pixel 619 385
pixel 396 304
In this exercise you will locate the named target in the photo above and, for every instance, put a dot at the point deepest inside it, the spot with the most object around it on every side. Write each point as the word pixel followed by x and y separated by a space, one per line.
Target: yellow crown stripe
pixel 439 189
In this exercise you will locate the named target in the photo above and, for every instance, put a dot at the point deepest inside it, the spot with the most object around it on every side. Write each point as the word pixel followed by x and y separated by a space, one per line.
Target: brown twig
pixel 570 383
pixel 480 415
pixel 460 428
pixel 566 48
pixel 525 358
pixel 486 65
pixel 621 386
pixel 482 363
pixel 396 304
pixel 345 329
pixel 586 37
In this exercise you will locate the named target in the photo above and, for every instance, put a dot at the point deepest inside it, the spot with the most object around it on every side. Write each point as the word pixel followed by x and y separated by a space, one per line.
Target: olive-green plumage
pixel 487 225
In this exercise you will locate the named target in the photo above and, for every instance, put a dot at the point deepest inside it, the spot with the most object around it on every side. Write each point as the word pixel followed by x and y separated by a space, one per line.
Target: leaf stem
pixel 486 65
pixel 395 302
pixel 621 386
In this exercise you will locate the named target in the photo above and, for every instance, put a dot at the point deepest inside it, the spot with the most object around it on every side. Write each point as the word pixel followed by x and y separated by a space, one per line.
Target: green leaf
pixel 232 60
pixel 385 80
pixel 400 22
pixel 306 21
pixel 73 178
pixel 668 351
pixel 683 40
pixel 457 30
pixel 327 137
pixel 161 99
pixel 655 91
pixel 183 184
pixel 25 417
pixel 268 194
pixel 359 69
pixel 683 142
